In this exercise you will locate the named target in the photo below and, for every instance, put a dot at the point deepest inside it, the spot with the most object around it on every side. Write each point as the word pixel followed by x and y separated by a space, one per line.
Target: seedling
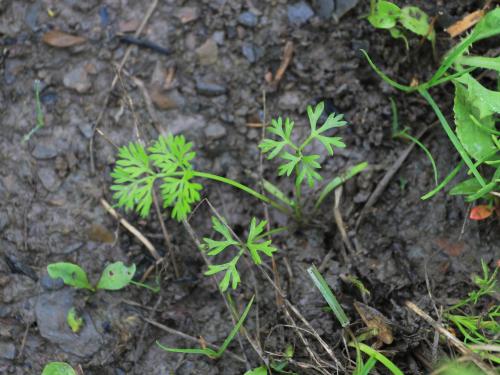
pixel 170 159
pixel 74 320
pixel 387 15
pixel 476 109
pixel 58 368
pixel 254 246
pixel 40 122
pixel 211 353
pixel 114 277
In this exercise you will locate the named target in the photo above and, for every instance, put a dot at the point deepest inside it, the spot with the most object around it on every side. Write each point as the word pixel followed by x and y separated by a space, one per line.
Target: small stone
pixel 43 152
pixel 7 350
pixel 49 283
pixel 210 89
pixel 215 131
pixel 86 129
pixel 51 310
pixel 251 52
pixel 324 8
pixel 248 19
pixel 167 100
pixel 49 179
pixel 78 80
pixel 208 52
pixel 219 37
pixel 290 100
pixel 344 6
pixel 299 13
pixel 187 14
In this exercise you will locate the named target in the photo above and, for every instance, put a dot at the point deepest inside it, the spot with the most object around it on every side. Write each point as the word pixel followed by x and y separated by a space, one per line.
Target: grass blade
pixel 327 294
pixel 445 182
pixel 379 357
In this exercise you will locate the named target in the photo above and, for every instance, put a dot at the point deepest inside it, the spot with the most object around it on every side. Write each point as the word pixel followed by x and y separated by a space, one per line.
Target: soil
pixel 219 56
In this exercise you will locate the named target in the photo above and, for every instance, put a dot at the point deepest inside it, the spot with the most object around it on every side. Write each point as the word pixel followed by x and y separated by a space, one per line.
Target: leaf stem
pixel 237 185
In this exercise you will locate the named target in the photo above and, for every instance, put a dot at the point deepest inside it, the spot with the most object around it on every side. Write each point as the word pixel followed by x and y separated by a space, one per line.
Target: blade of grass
pixel 386 77
pixel 451 135
pixel 207 351
pixel 327 294
pixel 379 357
pixel 339 180
pixel 403 134
pixel 40 123
pixel 445 182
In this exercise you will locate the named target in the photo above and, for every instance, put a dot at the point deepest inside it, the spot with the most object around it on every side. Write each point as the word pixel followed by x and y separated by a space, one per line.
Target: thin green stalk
pixel 451 135
pixel 403 134
pixel 40 123
pixel 445 182
pixel 237 185
pixel 379 357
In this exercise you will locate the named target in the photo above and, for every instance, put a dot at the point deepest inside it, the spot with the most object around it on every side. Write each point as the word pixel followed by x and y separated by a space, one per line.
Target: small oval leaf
pixel 480 212
pixel 74 320
pixel 59 39
pixel 58 368
pixel 71 274
pixel 116 276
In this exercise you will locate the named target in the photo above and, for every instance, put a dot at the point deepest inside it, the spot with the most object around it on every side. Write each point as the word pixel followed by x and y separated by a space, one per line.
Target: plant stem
pixel 237 185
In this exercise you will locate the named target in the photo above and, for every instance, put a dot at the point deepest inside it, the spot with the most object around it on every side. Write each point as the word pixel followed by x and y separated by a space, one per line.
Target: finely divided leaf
pixel 180 193
pixel 133 179
pixel 255 247
pixel 217 246
pixel 231 274
pixel 307 170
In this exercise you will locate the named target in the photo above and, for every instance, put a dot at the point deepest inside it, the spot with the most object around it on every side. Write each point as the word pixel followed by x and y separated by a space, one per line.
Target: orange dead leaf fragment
pixel 452 248
pixel 59 39
pixel 465 23
pixel 480 212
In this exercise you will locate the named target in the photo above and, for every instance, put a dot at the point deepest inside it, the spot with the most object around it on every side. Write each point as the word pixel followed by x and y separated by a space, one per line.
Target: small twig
pixel 145 20
pixel 191 338
pixel 388 177
pixel 168 242
pixel 338 220
pixel 459 345
pixel 142 42
pixel 131 229
pixel 140 345
pixel 23 342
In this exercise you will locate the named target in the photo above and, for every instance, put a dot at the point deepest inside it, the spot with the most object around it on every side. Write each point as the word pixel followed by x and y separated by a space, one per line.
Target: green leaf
pixel 116 276
pixel 275 147
pixel 417 21
pixel 483 62
pixel 70 273
pixel 254 246
pixel 58 368
pixel 180 194
pixel 262 370
pixel 396 33
pixel 315 114
pixel 288 168
pixel 133 179
pixel 466 187
pixel 231 274
pixel 171 153
pixel 217 246
pixel 328 295
pixel 485 100
pixel 74 320
pixel 307 170
pixel 475 140
pixel 384 15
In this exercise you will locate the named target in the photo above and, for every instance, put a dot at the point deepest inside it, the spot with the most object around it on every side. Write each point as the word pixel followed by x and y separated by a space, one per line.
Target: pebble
pixel 344 6
pixel 299 13
pixel 324 8
pixel 49 179
pixel 215 131
pixel 49 283
pixel 77 79
pixel 43 152
pixel 251 52
pixel 290 100
pixel 248 19
pixel 7 350
pixel 208 52
pixel 209 88
pixel 50 311
pixel 4 220
pixel 85 129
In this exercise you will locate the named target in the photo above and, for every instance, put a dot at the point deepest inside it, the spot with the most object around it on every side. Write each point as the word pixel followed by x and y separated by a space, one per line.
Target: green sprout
pixel 254 245
pixel 58 368
pixel 115 276
pixel 170 158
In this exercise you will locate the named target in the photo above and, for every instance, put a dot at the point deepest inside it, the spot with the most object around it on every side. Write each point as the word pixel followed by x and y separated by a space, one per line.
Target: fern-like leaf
pixel 254 245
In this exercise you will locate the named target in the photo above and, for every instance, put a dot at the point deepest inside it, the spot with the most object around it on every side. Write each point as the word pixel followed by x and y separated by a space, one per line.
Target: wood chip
pixel 59 39
pixel 465 23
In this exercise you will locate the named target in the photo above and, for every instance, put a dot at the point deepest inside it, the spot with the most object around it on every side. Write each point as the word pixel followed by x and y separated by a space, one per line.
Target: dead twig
pixel 131 229
pixel 388 177
pixel 95 127
pixel 459 345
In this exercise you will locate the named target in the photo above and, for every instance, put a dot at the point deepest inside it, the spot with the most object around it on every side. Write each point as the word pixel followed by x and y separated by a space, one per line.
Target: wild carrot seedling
pixel 254 245
pixel 170 159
